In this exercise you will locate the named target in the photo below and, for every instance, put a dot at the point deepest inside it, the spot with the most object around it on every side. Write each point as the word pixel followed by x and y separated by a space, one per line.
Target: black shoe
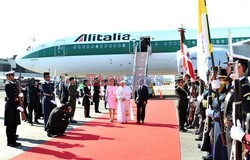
pixel 49 135
pixel 98 112
pixel 183 130
pixel 190 127
pixel 36 122
pixel 61 134
pixel 31 124
pixel 142 122
pixel 198 139
pixel 197 133
pixel 19 144
pixel 73 121
pixel 138 122
pixel 88 117
pixel 12 144
pixel 208 157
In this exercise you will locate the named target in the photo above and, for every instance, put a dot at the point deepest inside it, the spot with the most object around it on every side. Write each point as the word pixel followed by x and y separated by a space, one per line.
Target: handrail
pixel 134 68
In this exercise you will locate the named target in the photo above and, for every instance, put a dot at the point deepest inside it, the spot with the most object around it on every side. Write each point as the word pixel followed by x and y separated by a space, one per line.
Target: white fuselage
pixel 158 63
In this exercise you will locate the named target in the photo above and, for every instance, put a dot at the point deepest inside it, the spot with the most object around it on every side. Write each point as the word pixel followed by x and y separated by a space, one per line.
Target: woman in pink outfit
pixel 111 98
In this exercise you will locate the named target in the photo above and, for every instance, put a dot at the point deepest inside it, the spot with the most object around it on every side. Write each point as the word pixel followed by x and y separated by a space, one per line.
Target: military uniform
pixel 230 99
pixel 11 113
pixel 48 96
pixel 219 150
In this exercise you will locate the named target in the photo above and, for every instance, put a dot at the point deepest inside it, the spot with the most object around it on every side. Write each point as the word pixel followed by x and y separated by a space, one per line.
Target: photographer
pixel 58 120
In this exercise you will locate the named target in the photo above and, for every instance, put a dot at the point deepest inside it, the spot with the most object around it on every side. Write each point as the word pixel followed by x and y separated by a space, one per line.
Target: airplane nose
pixel 18 60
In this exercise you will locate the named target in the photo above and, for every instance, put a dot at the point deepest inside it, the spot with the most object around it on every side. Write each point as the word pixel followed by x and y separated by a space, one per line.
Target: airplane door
pixel 132 45
pixel 144 43
pixel 59 48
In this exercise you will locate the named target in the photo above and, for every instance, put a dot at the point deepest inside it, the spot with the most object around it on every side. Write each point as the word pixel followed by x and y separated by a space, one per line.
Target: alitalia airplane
pixel 113 53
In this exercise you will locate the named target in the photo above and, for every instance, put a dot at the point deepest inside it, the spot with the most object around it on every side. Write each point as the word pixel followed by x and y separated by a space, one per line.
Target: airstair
pixel 140 67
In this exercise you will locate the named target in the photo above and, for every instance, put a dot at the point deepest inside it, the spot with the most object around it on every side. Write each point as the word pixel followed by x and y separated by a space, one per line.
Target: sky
pixel 46 20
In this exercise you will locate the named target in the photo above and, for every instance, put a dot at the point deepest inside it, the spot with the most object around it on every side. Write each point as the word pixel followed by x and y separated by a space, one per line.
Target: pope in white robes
pixel 124 109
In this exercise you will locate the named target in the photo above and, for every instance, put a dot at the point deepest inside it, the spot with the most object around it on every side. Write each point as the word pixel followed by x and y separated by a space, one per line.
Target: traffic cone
pixel 160 94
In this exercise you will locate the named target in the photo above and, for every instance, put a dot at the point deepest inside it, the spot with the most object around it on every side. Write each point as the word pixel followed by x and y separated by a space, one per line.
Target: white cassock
pixel 124 109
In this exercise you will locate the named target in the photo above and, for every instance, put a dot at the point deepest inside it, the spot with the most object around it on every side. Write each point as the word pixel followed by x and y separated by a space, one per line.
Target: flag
pixel 204 46
pixel 186 62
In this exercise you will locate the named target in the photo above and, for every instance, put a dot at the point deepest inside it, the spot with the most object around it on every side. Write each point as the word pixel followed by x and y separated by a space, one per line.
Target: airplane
pixel 113 53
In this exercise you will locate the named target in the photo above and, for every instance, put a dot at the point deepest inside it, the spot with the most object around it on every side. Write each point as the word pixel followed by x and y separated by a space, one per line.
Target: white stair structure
pixel 140 67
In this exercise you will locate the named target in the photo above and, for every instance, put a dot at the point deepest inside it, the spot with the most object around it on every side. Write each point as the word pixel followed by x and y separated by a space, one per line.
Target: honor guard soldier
pixel 12 109
pixel 219 150
pixel 48 101
pixel 242 67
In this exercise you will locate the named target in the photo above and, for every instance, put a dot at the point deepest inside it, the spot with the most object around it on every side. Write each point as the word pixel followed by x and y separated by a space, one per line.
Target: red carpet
pixel 157 139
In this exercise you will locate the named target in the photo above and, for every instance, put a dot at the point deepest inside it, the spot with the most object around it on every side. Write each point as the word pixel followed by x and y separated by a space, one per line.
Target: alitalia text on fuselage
pixel 101 37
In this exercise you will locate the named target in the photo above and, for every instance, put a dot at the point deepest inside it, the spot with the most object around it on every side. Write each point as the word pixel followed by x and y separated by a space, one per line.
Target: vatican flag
pixel 204 46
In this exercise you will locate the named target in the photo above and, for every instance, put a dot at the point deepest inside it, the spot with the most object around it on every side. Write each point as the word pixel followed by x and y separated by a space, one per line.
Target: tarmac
pixel 32 136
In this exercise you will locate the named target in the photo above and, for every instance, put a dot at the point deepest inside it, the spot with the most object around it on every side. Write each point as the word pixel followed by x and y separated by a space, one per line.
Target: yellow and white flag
pixel 204 46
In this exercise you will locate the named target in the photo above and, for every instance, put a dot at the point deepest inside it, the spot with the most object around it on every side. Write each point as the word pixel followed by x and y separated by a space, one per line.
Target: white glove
pixel 199 98
pixel 20 95
pixel 52 101
pixel 191 99
pixel 237 133
pixel 209 112
pixel 20 108
pixel 215 84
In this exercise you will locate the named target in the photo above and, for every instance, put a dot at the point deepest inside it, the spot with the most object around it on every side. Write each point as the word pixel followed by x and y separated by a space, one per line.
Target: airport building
pixel 10 64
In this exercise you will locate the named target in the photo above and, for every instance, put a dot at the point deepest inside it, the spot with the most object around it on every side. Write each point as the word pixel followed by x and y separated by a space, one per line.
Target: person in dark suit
pixel 182 103
pixel 58 120
pixel 144 44
pixel 48 101
pixel 24 98
pixel 86 99
pixel 64 93
pixel 32 93
pixel 104 93
pixel 72 98
pixel 12 108
pixel 141 97
pixel 96 96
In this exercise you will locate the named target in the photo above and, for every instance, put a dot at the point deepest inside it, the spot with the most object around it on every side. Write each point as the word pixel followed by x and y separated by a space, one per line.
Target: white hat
pixel 10 72
pixel 122 81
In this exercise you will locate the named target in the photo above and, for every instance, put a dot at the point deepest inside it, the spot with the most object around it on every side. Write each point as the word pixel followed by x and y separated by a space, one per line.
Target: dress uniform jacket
pixel 47 92
pixel 11 114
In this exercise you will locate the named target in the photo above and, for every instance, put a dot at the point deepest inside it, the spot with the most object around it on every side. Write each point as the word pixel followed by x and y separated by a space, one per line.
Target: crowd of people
pixel 218 110
pixel 30 97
